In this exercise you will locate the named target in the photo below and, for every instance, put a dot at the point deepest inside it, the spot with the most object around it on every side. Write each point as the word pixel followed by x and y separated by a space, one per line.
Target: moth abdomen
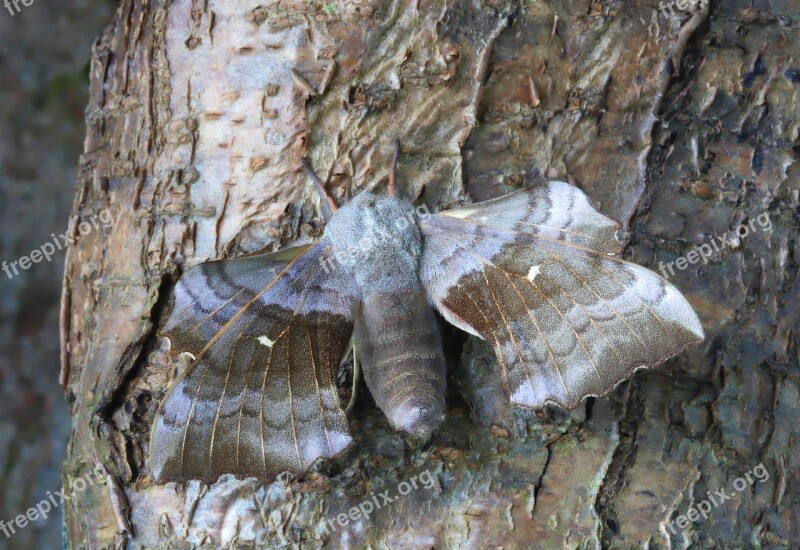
pixel 403 362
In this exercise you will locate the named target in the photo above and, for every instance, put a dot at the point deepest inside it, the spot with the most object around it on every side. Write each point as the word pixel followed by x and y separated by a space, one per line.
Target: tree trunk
pixel 681 125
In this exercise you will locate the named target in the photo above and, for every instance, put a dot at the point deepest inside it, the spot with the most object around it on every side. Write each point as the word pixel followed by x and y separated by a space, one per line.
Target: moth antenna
pixel 326 204
pixel 352 183
pixel 393 171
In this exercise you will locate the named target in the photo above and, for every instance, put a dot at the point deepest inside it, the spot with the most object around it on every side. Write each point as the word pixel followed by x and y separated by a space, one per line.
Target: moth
pixel 535 273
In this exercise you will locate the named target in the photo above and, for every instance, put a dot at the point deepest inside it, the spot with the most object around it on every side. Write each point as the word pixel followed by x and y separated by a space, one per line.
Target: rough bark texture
pixel 682 127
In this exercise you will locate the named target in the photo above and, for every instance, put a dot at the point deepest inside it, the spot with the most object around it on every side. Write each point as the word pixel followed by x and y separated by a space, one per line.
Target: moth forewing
pixel 267 333
pixel 535 275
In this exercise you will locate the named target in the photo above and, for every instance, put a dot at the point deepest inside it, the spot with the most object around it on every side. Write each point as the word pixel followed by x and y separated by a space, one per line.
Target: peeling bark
pixel 682 127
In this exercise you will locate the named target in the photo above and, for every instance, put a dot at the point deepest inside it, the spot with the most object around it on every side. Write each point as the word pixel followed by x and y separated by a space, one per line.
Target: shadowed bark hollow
pixel 682 125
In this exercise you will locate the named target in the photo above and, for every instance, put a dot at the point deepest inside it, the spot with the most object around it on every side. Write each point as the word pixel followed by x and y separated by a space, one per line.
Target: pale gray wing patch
pixel 556 210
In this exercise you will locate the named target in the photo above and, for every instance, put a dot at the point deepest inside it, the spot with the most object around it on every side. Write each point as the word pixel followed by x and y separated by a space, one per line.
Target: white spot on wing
pixel 191 356
pixel 264 341
pixel 533 272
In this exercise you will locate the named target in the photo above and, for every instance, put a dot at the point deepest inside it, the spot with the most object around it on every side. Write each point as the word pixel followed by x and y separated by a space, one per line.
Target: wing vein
pixel 575 332
pixel 210 315
pixel 503 373
pixel 561 230
pixel 191 414
pixel 291 403
pixel 268 366
pixel 545 238
pixel 604 301
pixel 510 333
pixel 221 399
pixel 642 300
pixel 589 317
pixel 541 334
pixel 319 393
pixel 241 408
pixel 250 302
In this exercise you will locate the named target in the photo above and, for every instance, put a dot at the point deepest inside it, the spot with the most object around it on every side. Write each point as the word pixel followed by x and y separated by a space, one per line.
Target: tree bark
pixel 680 125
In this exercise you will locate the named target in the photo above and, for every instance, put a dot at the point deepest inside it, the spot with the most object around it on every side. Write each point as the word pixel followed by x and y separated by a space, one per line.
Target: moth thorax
pixel 372 233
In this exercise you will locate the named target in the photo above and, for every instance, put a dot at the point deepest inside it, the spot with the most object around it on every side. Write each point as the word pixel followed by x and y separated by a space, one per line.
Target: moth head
pixel 373 227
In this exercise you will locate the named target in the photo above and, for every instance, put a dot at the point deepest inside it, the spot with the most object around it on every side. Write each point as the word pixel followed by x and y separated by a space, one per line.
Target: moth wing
pixel 534 274
pixel 266 334
pixel 557 210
